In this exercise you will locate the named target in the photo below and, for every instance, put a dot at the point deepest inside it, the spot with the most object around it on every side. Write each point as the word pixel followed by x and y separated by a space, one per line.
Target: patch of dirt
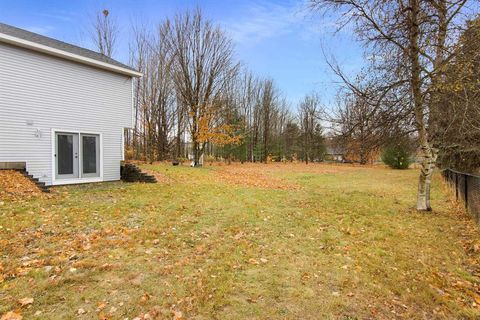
pixel 14 186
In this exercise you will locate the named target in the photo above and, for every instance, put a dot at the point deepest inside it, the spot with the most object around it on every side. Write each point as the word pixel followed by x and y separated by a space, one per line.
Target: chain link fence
pixel 467 190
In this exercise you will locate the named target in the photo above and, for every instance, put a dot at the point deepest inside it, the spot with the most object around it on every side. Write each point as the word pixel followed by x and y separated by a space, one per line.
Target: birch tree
pixel 413 37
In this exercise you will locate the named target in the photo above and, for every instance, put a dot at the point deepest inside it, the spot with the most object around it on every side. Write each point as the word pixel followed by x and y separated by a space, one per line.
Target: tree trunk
pixel 306 142
pixel 196 153
pixel 427 154
pixel 178 146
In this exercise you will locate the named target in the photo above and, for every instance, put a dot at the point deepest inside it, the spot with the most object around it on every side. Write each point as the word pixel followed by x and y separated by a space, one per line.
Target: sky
pixel 279 39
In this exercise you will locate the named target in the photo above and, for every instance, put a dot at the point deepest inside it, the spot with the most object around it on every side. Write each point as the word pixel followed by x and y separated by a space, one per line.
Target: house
pixel 63 109
pixel 334 154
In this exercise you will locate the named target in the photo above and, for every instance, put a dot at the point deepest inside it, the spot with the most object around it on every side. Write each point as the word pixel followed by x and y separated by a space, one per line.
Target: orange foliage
pixel 249 175
pixel 353 150
pixel 220 135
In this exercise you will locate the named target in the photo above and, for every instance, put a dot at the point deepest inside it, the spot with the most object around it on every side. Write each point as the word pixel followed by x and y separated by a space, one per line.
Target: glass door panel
pixel 66 156
pixel 90 155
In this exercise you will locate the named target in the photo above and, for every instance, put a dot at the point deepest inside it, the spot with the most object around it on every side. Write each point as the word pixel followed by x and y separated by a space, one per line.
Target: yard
pixel 252 241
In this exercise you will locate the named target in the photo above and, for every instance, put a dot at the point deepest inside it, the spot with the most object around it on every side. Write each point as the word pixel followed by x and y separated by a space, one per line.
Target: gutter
pixel 67 55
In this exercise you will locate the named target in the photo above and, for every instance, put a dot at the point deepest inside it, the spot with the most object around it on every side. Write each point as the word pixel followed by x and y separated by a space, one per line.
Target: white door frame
pixel 75 156
pixel 56 181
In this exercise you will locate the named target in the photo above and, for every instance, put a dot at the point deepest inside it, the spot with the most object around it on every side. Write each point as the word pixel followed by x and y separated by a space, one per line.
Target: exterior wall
pixel 40 93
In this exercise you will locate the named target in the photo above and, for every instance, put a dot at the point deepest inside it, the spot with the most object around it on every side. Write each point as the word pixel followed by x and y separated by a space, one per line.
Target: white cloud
pixel 262 20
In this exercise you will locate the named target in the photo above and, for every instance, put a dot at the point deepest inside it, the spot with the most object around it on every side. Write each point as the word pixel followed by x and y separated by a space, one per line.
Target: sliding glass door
pixel 77 155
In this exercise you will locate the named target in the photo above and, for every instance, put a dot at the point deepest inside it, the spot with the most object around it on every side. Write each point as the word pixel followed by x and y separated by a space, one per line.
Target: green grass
pixel 332 242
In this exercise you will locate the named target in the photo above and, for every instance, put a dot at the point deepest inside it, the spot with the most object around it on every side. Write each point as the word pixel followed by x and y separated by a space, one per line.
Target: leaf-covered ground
pixel 284 241
pixel 13 186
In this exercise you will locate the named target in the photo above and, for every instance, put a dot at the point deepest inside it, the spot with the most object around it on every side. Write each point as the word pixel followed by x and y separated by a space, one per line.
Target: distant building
pixel 334 154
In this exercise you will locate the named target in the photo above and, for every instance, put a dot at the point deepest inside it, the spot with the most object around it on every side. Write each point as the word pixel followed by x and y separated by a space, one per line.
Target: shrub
pixel 396 157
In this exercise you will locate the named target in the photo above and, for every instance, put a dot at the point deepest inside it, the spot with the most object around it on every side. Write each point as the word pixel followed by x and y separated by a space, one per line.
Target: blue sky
pixel 279 39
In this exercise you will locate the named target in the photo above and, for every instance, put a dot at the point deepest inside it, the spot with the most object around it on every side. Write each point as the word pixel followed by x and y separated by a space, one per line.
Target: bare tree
pixel 195 97
pixel 368 115
pixel 309 113
pixel 267 104
pixel 154 92
pixel 413 37
pixel 104 33
pixel 202 66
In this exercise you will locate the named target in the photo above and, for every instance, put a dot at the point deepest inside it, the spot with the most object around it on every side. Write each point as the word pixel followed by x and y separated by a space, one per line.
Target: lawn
pixel 252 241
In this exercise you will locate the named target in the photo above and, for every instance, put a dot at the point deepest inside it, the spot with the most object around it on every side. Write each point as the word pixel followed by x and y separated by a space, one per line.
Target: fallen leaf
pixel 177 315
pixel 25 301
pixel 200 249
pixel 101 306
pixel 145 297
pixel 11 316
pixel 238 236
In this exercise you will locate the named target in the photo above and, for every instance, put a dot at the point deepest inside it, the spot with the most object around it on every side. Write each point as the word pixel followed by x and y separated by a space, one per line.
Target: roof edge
pixel 66 55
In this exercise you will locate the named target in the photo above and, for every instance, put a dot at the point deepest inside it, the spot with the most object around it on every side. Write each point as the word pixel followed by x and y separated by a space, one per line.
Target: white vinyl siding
pixel 53 93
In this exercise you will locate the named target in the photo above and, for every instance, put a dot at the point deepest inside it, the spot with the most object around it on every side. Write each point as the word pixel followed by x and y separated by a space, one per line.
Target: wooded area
pixel 417 96
pixel 195 99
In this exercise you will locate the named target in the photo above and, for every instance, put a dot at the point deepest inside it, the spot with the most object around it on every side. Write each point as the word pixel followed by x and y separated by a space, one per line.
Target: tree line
pixel 195 99
pixel 419 91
